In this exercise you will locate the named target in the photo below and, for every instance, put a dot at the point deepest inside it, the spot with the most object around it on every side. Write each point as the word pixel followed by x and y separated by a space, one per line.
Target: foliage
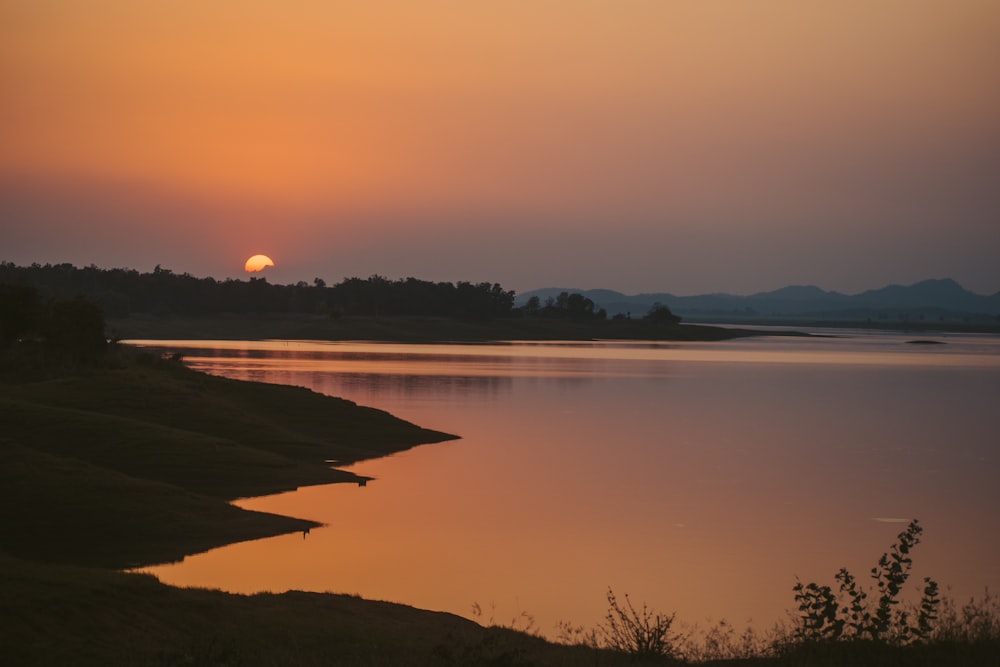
pixel 660 314
pixel 642 634
pixel 566 306
pixel 523 622
pixel 70 329
pixel 848 613
pixel 974 621
pixel 121 292
pixel 576 635
pixel 73 327
pixel 19 312
pixel 721 641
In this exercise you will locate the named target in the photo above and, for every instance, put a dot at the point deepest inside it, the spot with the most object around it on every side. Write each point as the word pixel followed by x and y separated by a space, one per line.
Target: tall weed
pixel 974 621
pixel 641 634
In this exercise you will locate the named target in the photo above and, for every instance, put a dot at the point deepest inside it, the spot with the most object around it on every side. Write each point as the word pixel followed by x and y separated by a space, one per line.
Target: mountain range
pixel 937 299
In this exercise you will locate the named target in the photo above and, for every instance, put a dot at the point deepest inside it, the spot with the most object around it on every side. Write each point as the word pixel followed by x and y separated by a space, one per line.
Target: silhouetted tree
pixel 532 307
pixel 162 292
pixel 19 312
pixel 573 306
pixel 73 328
pixel 660 314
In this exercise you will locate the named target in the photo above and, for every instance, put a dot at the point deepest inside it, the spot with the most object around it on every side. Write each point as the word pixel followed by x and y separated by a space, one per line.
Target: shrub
pixel 975 621
pixel 641 634
pixel 849 614
pixel 660 314
pixel 722 641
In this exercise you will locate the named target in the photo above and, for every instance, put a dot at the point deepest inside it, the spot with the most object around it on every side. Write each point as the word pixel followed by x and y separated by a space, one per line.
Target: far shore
pixel 414 329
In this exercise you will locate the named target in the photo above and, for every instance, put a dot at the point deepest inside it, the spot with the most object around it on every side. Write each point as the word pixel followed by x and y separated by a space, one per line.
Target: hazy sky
pixel 642 145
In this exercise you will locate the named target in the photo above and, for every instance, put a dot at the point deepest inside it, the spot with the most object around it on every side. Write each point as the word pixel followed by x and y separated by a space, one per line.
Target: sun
pixel 258 263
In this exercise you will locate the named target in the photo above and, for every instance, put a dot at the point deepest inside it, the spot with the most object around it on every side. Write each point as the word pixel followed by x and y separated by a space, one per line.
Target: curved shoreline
pixel 135 464
pixel 60 511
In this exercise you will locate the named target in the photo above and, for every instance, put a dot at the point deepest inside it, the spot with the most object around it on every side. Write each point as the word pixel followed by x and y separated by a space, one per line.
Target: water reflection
pixel 700 478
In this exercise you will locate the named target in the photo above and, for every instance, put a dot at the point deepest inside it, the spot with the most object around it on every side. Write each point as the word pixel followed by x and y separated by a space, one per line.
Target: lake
pixel 701 478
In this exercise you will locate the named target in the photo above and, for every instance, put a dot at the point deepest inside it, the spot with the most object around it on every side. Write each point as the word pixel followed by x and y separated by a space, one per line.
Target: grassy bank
pixel 66 615
pixel 132 462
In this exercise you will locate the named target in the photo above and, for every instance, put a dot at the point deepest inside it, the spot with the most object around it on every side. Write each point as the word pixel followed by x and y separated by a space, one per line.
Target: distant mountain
pixel 937 299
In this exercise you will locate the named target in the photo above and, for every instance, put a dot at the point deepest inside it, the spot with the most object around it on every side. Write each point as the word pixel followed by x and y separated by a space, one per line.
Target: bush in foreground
pixel 835 626
pixel 851 614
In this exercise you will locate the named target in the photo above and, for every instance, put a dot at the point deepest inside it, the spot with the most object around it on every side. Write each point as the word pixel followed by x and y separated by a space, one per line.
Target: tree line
pixel 71 329
pixel 123 292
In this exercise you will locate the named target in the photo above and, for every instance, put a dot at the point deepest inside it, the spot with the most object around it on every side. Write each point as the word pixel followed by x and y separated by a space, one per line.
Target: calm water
pixel 699 478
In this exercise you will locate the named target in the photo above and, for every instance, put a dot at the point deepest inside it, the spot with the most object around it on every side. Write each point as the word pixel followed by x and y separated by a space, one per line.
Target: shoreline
pixel 136 464
pixel 414 329
pixel 76 489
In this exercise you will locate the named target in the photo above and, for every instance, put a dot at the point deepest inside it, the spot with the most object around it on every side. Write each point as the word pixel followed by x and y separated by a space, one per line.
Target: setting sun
pixel 258 263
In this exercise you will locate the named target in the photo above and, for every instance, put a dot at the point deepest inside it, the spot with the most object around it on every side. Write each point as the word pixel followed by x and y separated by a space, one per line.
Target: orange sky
pixel 638 145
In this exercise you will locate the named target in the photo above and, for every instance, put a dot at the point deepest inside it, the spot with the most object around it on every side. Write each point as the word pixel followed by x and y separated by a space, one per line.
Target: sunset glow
pixel 558 320
pixel 683 146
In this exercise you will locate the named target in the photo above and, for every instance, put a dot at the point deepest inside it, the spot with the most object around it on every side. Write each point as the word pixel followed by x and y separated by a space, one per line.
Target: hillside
pixel 940 300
